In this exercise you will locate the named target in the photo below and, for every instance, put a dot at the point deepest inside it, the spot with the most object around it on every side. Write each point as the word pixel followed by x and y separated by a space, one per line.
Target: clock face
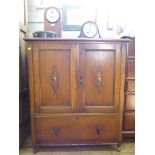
pixel 52 15
pixel 90 29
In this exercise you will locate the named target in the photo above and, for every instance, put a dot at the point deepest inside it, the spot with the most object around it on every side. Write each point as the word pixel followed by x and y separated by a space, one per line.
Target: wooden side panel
pixel 31 91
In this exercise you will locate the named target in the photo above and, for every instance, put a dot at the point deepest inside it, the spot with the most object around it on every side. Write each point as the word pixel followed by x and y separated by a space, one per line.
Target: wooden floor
pixel 128 148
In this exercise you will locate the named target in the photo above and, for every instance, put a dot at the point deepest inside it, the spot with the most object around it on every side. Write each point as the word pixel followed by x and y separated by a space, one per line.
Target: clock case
pixel 82 35
pixel 55 27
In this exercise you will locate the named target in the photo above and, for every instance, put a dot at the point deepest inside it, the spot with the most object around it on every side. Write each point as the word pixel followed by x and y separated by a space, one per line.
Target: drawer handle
pixel 56 131
pixel 98 129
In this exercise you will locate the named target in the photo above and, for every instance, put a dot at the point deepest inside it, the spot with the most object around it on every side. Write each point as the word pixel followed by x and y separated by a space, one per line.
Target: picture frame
pixel 74 17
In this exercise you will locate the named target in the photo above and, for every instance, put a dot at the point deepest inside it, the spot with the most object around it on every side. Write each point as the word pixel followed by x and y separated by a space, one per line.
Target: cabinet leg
pixel 35 150
pixel 118 148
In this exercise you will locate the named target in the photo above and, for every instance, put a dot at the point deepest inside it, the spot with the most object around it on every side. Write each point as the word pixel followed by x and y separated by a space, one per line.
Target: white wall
pixel 118 13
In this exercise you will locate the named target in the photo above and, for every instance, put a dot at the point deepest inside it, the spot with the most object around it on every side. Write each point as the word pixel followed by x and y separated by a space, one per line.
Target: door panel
pixel 54 74
pixel 55 83
pixel 97 66
pixel 99 73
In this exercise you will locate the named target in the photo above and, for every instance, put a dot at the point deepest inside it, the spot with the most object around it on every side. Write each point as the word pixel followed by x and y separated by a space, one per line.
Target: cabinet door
pixel 99 77
pixel 55 87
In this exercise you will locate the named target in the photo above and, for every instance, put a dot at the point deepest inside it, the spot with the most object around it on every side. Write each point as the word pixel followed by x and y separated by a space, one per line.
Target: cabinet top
pixel 76 40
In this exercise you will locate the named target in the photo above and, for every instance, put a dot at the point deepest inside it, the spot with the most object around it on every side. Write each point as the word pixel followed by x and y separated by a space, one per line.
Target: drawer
pixel 130 102
pixel 130 69
pixel 130 85
pixel 76 129
pixel 129 121
pixel 131 48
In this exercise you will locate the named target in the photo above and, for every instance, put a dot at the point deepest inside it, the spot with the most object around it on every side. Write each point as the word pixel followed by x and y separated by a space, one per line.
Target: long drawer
pixel 130 85
pixel 131 48
pixel 130 102
pixel 129 121
pixel 76 129
pixel 130 69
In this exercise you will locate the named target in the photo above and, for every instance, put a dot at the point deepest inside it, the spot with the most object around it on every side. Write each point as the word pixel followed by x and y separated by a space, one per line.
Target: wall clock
pixel 52 20
pixel 89 30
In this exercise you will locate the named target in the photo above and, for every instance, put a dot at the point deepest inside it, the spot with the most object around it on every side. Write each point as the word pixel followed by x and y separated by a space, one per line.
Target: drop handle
pixel 81 80
pixel 56 131
pixel 98 129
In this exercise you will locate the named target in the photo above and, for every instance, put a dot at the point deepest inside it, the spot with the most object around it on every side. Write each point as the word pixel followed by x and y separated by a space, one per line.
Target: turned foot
pixel 117 147
pixel 35 150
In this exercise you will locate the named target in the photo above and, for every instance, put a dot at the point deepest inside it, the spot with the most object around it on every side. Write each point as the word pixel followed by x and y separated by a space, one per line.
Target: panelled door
pixel 99 77
pixel 55 86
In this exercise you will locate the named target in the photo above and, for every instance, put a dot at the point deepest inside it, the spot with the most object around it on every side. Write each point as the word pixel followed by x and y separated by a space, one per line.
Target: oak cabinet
pixel 76 91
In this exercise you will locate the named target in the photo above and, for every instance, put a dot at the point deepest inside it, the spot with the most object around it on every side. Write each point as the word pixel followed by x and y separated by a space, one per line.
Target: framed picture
pixel 75 16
